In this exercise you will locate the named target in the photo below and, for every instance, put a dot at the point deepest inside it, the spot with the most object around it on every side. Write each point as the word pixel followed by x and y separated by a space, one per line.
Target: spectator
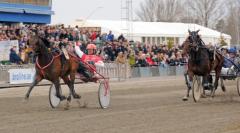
pixel 121 58
pixel 121 38
pixel 149 60
pixel 141 61
pixel 93 36
pixel 14 58
pixel 132 58
pixel 109 52
pixel 110 36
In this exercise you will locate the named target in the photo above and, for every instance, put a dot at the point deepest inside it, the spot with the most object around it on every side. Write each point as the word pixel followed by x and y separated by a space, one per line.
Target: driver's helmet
pixel 91 46
pixel 232 50
pixel 91 49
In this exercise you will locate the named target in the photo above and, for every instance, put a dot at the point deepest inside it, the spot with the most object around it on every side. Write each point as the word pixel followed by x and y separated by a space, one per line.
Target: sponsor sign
pixel 21 76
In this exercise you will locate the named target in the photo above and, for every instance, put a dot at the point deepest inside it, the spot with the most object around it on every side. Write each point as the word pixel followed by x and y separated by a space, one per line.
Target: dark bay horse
pixel 49 67
pixel 202 61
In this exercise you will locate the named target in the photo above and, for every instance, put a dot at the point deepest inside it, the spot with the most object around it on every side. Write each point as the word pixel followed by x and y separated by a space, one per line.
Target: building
pixel 155 32
pixel 26 11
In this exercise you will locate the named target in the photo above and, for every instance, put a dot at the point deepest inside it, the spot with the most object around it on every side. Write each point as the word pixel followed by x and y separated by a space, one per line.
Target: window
pixel 148 39
pixel 153 40
pixel 163 39
pixel 143 39
pixel 177 40
pixel 158 41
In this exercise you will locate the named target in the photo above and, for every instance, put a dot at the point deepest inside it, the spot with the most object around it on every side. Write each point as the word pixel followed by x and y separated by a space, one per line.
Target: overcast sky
pixel 66 11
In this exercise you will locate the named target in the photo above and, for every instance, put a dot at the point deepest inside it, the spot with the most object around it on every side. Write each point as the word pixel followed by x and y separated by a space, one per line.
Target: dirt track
pixel 151 105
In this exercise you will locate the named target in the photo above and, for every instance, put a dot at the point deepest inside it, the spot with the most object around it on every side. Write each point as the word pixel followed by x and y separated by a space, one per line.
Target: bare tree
pixel 147 10
pixel 233 21
pixel 160 10
pixel 169 10
pixel 209 12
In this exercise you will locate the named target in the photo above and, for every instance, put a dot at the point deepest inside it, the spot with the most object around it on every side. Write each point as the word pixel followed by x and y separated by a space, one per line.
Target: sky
pixel 67 11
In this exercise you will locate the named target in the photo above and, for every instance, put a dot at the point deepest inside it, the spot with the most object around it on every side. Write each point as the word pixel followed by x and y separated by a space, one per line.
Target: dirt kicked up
pixel 148 105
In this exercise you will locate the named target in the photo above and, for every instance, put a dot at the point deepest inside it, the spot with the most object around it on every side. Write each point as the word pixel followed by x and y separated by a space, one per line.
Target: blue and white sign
pixel 21 76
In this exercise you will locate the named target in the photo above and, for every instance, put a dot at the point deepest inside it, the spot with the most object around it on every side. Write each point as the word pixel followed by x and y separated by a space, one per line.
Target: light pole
pixel 91 13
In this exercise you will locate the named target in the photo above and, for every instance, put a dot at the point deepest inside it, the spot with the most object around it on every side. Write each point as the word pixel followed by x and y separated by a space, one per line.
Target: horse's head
pixel 192 42
pixel 36 43
pixel 194 37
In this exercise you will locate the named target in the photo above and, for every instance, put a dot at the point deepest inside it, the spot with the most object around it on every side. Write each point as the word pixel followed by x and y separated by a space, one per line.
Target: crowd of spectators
pixel 110 47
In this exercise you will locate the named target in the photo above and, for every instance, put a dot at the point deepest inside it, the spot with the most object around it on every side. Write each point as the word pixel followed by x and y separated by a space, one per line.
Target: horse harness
pixel 201 45
pixel 42 68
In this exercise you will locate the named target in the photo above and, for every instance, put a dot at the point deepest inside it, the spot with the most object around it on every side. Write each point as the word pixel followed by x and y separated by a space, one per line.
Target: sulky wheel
pixel 104 94
pixel 238 85
pixel 197 88
pixel 53 99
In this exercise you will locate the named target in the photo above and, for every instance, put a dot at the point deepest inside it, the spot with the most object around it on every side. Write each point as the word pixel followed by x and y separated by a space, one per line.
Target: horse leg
pixel 58 93
pixel 205 81
pixel 188 78
pixel 70 84
pixel 216 82
pixel 185 98
pixel 222 85
pixel 72 79
pixel 35 82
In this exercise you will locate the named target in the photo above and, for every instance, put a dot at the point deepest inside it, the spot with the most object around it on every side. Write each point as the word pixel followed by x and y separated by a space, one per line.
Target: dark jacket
pixel 14 58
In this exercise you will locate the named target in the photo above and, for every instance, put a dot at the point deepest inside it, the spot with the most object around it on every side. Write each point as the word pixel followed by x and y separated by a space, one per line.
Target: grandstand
pixel 26 11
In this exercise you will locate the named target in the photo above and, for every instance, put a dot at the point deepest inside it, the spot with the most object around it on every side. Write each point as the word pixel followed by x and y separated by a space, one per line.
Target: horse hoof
pixel 185 98
pixel 223 89
pixel 203 96
pixel 76 96
pixel 69 99
pixel 62 98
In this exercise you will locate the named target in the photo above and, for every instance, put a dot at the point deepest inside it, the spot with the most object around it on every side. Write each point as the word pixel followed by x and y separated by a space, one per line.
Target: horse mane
pixel 45 41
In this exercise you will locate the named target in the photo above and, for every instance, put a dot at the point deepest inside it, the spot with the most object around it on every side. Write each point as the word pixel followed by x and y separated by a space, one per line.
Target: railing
pixel 117 72
pixel 113 71
pixel 157 71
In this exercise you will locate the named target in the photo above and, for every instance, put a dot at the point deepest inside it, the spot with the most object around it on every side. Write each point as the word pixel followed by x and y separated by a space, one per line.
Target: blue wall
pixel 29 14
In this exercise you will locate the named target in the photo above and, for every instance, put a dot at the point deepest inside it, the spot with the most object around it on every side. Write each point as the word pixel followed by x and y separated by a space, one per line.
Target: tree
pixel 169 10
pixel 220 25
pixel 233 21
pixel 147 11
pixel 207 11
pixel 160 10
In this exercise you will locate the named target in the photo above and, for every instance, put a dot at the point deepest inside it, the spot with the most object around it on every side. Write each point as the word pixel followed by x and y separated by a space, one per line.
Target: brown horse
pixel 50 67
pixel 202 61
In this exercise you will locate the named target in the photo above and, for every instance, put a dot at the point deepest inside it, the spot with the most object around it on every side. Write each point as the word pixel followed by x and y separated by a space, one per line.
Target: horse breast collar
pixel 46 66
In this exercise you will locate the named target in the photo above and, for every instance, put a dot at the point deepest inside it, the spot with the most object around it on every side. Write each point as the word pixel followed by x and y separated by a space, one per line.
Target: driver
pixel 228 66
pixel 89 74
pixel 91 56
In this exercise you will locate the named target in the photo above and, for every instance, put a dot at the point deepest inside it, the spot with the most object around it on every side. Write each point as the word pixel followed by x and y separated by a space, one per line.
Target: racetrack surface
pixel 147 105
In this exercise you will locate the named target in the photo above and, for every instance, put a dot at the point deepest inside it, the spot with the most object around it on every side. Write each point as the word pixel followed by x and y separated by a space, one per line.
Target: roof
pixel 155 29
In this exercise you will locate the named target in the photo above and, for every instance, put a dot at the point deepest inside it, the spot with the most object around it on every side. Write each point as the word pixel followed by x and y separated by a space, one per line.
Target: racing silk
pixel 88 58
pixel 95 59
